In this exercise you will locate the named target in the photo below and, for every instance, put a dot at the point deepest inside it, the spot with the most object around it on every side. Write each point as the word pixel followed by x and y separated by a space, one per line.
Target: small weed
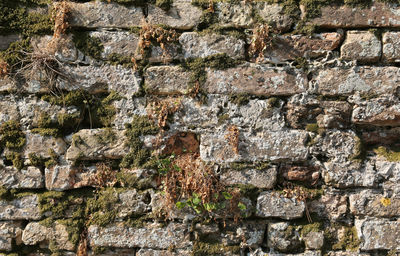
pixel 262 40
pixel 162 109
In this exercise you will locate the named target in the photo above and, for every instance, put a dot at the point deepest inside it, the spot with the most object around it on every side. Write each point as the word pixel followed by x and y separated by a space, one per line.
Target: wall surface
pixel 196 127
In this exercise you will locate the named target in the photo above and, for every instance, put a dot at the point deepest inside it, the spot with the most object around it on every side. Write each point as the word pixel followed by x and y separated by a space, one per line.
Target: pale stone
pixel 90 144
pixel 282 237
pixel 151 236
pixel 98 14
pixel 363 46
pixel 35 233
pixel 28 177
pixel 64 177
pixel 166 80
pixel 314 240
pixel 152 252
pixel 365 80
pixel 378 234
pixel 195 45
pixel 9 232
pixel 272 204
pixel 41 145
pixel 255 79
pixel 6 40
pixel 371 203
pixel 265 178
pixel 24 208
pixel 182 15
pixel 391 45
pixel 275 146
pixel 331 205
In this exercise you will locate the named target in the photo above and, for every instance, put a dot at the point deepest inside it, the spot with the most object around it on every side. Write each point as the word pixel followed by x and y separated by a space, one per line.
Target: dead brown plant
pixel 300 194
pixel 161 109
pixel 233 138
pixel 105 176
pixel 3 69
pixel 60 16
pixel 262 40
pixel 156 35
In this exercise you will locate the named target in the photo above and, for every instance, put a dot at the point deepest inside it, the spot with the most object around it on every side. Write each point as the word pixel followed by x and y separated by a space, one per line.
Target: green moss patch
pixel 205 249
pixel 389 154
pixel 12 136
pixel 90 46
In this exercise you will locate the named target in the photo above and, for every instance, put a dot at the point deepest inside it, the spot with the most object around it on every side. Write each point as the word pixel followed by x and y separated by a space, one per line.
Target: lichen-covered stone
pixel 117 42
pixel 365 80
pixel 265 178
pixel 182 15
pixel 241 15
pixel 9 231
pixel 379 14
pixel 381 111
pixel 40 145
pixel 272 204
pixel 255 79
pixel 133 203
pixel 390 48
pixel 363 46
pixel 28 177
pixel 152 252
pixel 64 177
pixel 35 233
pixel 100 79
pixel 314 240
pixel 275 146
pixel 126 108
pixel 195 45
pixel 167 80
pixel 282 237
pixel 331 205
pixel 375 204
pixel 93 144
pixel 24 208
pixel 98 14
pixel 150 236
pixel 287 48
pixel 378 234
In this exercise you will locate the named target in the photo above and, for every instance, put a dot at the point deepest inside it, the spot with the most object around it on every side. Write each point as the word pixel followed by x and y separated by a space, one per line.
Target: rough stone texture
pixel 24 208
pixel 166 80
pixel 381 111
pixel 272 204
pixel 91 15
pixel 117 42
pixel 363 46
pixel 240 15
pixel 133 203
pixel 265 178
pixel 5 41
pixel 40 145
pixel 378 15
pixel 373 203
pixel 378 234
pixel 126 109
pixel 100 79
pixel 332 205
pixel 195 45
pixel 391 44
pixel 282 237
pixel 287 48
pixel 266 146
pixel 255 79
pixel 90 144
pixel 64 177
pixel 151 252
pixel 9 231
pixel 365 80
pixel 182 15
pixel 151 236
pixel 35 233
pixel 28 177
pixel 314 240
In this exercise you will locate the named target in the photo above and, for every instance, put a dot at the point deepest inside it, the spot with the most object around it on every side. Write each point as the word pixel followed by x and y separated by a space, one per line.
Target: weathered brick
pixel 275 146
pixel 24 208
pixel 365 80
pixel 272 204
pixel 150 236
pixel 182 15
pixel 195 45
pixel 377 15
pixel 256 79
pixel 98 14
pixel 363 46
pixel 378 234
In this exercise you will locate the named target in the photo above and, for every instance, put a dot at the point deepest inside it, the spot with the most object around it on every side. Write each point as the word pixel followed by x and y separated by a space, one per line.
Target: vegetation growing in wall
pixel 12 137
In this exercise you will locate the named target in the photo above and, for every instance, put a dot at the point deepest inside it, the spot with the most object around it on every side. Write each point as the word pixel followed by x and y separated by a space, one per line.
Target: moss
pixel 138 154
pixel 312 127
pixel 313 7
pixel 301 63
pixel 53 158
pixel 54 132
pixel 138 222
pixel 239 99
pixel 164 4
pixel 118 59
pixel 312 227
pixel 132 2
pixel 349 241
pixel 126 179
pixel 74 229
pixel 36 160
pixel 222 118
pixel 390 155
pixel 53 203
pixel 16 160
pixel 4 193
pixel 107 136
pixel 102 207
pixel 205 249
pixel 90 46
pixel 11 135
